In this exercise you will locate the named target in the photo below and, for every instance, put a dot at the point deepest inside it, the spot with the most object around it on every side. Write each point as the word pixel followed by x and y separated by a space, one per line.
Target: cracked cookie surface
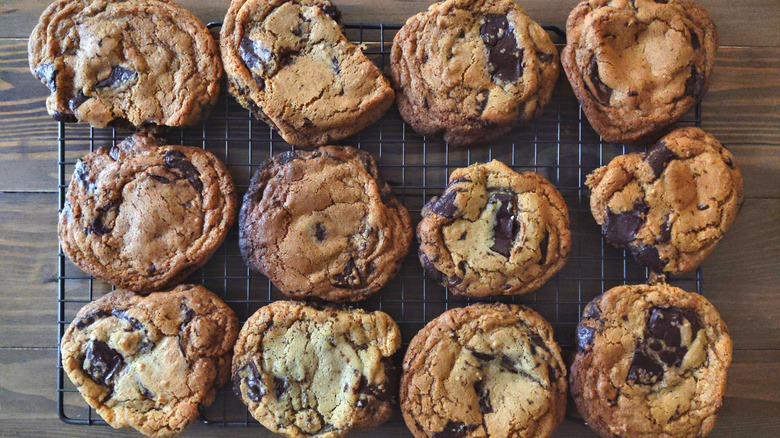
pixel 494 232
pixel 472 69
pixel 637 66
pixel 316 371
pixel 151 361
pixel 145 62
pixel 323 224
pixel 143 215
pixel 289 63
pixel 484 370
pixel 651 361
pixel 671 205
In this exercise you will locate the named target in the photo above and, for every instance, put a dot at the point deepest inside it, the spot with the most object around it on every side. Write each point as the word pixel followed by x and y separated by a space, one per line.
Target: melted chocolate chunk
pixel 160 179
pixel 319 232
pixel 335 67
pixel 585 336
pixel 695 44
pixel 98 226
pixel 702 207
pixel 729 162
pixel 543 247
pixel 505 59
pixel 119 76
pixel 332 12
pixel 90 319
pixel 187 315
pixel 81 174
pixel 592 310
pixel 505 226
pixel 445 206
pixel 484 396
pixel 694 85
pixel 507 364
pixel 48 74
pixel 254 55
pixel 600 91
pixel 145 391
pixel 619 229
pixel 122 314
pixel 438 275
pixel 104 362
pixel 177 160
pixel 255 388
pixel 77 100
pixel 280 386
pixel 664 232
pixel 658 156
pixel 644 369
pixel 350 277
pixel 482 356
pixel 648 256
pixel 64 117
pixel 455 429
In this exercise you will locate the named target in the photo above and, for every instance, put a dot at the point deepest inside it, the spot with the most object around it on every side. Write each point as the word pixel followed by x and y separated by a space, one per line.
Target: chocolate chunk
pixel 482 356
pixel 664 325
pixel 145 391
pixel 122 314
pixel 455 429
pixel 160 179
pixel 664 232
pixel 585 336
pixel 543 247
pixel 695 44
pixel 77 100
pixel 64 117
pixel 658 156
pixel 177 160
pixel 619 229
pixel 335 67
pixel 254 55
pixel 280 386
pixel 332 12
pixel 702 207
pixel 104 362
pixel 48 74
pixel 592 310
pixel 482 100
pixel 508 364
pixel 505 226
pixel 444 206
pixel 644 369
pixel 729 162
pixel 90 319
pixel 187 315
pixel 599 90
pixel 350 277
pixel 98 226
pixel 319 232
pixel 458 180
pixel 437 275
pixel 255 388
pixel 504 57
pixel 81 174
pixel 647 255
pixel 119 76
pixel 484 396
pixel 694 84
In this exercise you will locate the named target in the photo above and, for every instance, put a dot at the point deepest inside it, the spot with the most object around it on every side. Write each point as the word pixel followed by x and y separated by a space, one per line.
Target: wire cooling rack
pixel 560 145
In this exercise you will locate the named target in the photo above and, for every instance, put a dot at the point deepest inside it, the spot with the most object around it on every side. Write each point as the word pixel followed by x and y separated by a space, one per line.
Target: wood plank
pixel 28 401
pixel 742 28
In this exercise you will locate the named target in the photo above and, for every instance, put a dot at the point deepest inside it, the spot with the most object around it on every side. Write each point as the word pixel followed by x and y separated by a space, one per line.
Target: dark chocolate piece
pixel 505 226
pixel 601 91
pixel 118 76
pixel 455 429
pixel 505 59
pixel 658 156
pixel 177 160
pixel 104 362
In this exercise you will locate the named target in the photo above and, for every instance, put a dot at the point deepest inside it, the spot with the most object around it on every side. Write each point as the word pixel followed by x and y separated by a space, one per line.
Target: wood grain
pixel 738 22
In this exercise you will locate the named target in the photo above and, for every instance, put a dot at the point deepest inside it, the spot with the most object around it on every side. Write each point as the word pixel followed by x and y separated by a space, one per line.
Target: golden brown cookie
pixel 671 205
pixel 143 215
pixel 316 371
pixel 323 224
pixel 486 370
pixel 494 232
pixel 289 63
pixel 637 66
pixel 651 361
pixel 151 361
pixel 472 69
pixel 146 62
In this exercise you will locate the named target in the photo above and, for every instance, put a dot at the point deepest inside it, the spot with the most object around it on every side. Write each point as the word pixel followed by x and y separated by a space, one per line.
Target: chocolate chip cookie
pixel 494 232
pixel 143 216
pixel 651 361
pixel 289 63
pixel 323 224
pixel 150 361
pixel 637 66
pixel 146 62
pixel 670 205
pixel 484 370
pixel 316 371
pixel 472 69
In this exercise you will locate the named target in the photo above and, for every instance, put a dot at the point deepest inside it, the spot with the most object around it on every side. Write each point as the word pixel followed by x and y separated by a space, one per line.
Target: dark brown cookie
pixel 290 64
pixel 144 216
pixel 651 361
pixel 323 224
pixel 146 62
pixel 472 69
pixel 637 66
pixel 671 205
pixel 151 361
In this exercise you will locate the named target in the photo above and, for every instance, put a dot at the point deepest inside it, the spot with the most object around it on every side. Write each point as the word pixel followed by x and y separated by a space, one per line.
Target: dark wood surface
pixel 742 276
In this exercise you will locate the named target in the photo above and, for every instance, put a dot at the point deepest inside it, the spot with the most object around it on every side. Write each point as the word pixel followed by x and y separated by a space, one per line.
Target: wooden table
pixel 742 109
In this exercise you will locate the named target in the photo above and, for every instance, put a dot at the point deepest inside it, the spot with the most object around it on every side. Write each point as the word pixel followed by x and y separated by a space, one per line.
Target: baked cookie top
pixel 290 64
pixel 494 232
pixel 484 370
pixel 150 361
pixel 316 371
pixel 143 216
pixel 146 62
pixel 670 205
pixel 651 361
pixel 636 66
pixel 323 224
pixel 471 69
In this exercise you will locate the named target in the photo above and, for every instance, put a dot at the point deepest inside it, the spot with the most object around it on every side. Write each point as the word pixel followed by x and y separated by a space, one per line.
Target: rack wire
pixel 560 145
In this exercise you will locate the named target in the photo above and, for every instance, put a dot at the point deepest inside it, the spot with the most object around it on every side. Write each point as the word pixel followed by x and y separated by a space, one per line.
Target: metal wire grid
pixel 560 145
